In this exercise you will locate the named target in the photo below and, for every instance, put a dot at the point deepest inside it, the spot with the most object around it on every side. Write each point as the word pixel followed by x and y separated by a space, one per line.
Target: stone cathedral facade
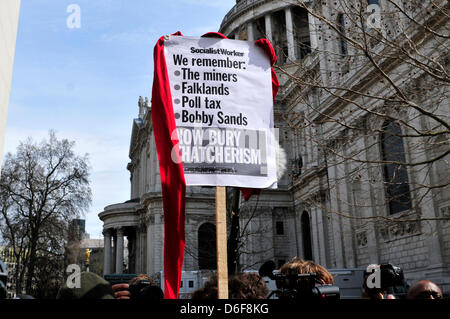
pixel 323 204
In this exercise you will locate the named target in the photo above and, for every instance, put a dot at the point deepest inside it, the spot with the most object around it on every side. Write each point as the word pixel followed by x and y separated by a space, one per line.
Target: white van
pixel 349 281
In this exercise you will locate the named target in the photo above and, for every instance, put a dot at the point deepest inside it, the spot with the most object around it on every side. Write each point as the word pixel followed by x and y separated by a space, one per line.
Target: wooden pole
pixel 221 239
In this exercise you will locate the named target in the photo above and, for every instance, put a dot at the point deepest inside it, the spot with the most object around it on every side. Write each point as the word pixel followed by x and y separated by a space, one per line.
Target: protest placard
pixel 223 106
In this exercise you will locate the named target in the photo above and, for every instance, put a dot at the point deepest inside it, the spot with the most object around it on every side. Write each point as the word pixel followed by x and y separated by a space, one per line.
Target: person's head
pixel 240 286
pixel 248 286
pixel 371 293
pixel 424 289
pixel 141 277
pixel 92 286
pixel 299 266
pixel 143 287
pixel 208 291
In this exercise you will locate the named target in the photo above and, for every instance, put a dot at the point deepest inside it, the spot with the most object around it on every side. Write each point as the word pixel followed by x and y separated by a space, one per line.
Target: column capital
pixel 268 25
pixel 107 232
pixel 250 33
pixel 119 231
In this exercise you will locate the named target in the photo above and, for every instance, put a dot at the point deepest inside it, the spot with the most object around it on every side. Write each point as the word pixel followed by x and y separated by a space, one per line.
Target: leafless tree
pixel 42 187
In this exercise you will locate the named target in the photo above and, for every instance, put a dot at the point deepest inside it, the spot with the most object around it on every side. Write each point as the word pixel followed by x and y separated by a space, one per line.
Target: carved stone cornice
pixel 399 226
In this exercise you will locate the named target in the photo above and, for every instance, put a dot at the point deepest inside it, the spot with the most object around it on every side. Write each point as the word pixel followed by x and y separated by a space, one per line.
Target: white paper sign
pixel 222 98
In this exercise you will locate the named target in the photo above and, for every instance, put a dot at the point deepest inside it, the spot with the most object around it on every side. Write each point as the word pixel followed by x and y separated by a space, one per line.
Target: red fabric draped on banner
pixel 172 176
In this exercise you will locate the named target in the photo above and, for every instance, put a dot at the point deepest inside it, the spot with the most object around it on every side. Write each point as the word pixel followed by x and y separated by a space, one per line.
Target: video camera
pixel 143 289
pixel 391 278
pixel 298 286
pixel 139 289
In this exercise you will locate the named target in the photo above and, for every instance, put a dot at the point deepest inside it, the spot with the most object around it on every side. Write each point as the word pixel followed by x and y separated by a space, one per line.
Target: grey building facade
pixel 332 205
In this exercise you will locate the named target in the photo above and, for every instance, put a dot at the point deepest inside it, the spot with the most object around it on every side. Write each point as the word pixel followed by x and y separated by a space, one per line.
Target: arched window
pixel 207 246
pixel 395 174
pixel 306 235
pixel 341 28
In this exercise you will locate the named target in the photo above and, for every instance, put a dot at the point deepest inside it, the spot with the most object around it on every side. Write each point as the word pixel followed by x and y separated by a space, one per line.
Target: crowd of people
pixel 241 286
pixel 293 276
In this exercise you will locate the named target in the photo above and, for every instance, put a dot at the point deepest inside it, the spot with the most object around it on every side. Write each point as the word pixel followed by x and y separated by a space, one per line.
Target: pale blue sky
pixel 85 83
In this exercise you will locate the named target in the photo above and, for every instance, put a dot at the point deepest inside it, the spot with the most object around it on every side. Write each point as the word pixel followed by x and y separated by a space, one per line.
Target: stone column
pixel 321 256
pixel 290 34
pixel 107 252
pixel 132 252
pixel 138 250
pixel 312 32
pixel 432 230
pixel 119 251
pixel 314 234
pixel 114 252
pixel 250 33
pixel 336 231
pixel 268 22
pixel 368 196
pixel 153 164
pixel 346 224
pixel 143 250
pixel 150 261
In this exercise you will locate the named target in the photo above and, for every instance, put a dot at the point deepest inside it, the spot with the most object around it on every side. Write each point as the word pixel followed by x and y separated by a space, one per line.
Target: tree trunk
pixel 31 264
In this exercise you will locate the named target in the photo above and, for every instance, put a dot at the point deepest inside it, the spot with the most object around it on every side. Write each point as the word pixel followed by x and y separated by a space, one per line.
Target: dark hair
pixel 142 277
pixel 248 286
pixel 299 266
pixel 209 290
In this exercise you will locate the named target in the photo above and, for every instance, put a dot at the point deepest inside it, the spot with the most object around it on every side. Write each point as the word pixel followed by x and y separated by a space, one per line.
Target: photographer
pixel 390 278
pixel 140 287
pixel 299 266
pixel 371 293
pixel 301 279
